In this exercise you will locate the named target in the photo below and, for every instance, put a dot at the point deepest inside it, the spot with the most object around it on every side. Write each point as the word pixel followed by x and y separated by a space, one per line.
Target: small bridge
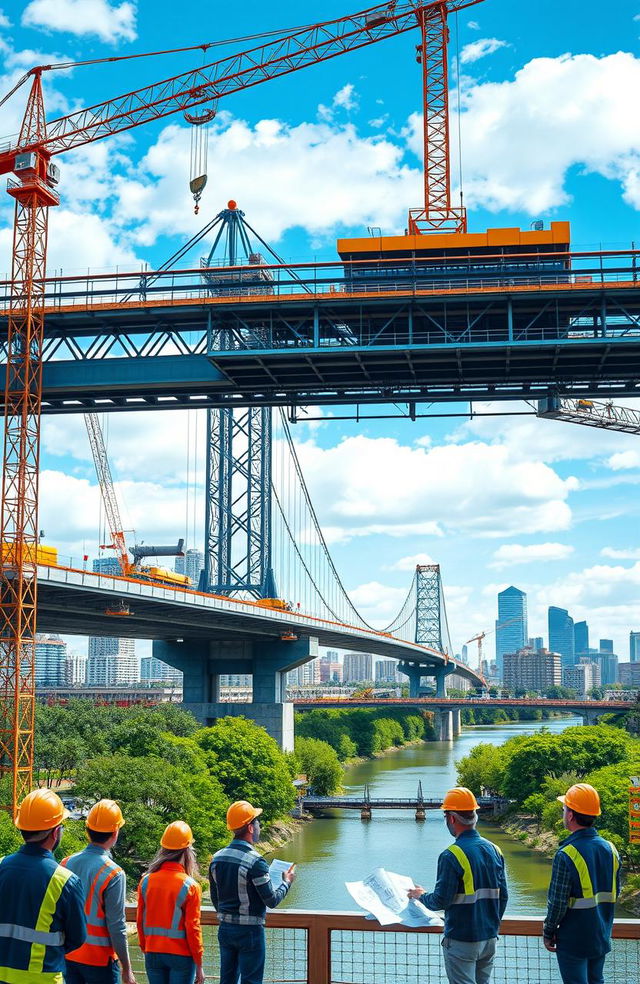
pixel 366 804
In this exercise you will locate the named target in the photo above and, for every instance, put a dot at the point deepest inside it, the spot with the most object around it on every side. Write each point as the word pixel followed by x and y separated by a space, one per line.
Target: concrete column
pixel 202 663
pixel 414 672
pixel 444 725
pixel 440 674
pixel 456 714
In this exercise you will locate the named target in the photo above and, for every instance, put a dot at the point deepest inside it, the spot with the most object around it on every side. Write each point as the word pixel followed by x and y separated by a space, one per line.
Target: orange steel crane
pixel 481 636
pixel 33 187
pixel 105 481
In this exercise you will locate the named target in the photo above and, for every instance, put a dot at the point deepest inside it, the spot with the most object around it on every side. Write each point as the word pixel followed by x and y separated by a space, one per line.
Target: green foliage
pixel 535 805
pixel 152 793
pixel 612 782
pixel 10 839
pixel 363 731
pixel 248 764
pixel 319 762
pixel 482 768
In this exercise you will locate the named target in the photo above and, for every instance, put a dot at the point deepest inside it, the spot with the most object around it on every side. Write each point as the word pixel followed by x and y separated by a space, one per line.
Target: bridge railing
pixel 345 948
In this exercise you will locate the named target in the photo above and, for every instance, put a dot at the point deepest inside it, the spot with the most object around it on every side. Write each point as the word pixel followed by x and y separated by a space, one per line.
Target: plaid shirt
pixel 241 889
pixel 558 895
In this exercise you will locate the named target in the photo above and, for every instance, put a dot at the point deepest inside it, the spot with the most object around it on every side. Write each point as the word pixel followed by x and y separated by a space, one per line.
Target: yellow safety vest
pixel 591 899
pixel 471 894
pixel 40 936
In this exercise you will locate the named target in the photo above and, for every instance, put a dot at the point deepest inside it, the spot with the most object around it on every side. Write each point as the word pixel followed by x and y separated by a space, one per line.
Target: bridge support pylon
pixel 203 662
pixel 456 718
pixel 444 725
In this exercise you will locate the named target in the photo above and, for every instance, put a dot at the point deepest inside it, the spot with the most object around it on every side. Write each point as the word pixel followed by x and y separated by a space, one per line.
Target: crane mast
pixel 34 192
pixel 105 480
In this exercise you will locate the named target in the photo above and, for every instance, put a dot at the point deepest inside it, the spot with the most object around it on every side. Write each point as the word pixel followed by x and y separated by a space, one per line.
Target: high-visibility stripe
pixel 173 932
pixel 467 874
pixel 28 935
pixel 58 880
pixel 480 893
pixel 591 899
pixel 12 976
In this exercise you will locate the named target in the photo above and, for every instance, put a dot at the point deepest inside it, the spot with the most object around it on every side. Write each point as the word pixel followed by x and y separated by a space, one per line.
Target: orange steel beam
pixel 19 516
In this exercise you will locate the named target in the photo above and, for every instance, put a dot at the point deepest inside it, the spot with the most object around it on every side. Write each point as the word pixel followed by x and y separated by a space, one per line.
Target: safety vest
pixel 39 935
pixel 471 894
pixel 589 898
pixel 176 931
pixel 97 951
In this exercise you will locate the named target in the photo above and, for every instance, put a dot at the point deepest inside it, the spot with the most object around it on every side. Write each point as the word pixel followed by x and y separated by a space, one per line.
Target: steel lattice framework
pixel 428 606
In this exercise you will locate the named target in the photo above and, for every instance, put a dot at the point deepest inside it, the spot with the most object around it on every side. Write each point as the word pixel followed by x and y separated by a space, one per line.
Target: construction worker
pixel 241 892
pixel 585 883
pixel 471 888
pixel 105 889
pixel 169 898
pixel 41 903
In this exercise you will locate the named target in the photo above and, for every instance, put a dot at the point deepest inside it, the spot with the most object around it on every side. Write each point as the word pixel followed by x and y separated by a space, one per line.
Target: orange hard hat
pixel 459 798
pixel 105 817
pixel 42 809
pixel 241 813
pixel 582 798
pixel 177 836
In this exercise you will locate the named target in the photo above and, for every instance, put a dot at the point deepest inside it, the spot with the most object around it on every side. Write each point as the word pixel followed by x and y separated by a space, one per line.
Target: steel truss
pixel 428 606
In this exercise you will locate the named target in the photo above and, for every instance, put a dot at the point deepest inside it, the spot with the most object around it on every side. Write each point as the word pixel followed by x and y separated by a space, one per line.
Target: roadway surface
pixel 76 602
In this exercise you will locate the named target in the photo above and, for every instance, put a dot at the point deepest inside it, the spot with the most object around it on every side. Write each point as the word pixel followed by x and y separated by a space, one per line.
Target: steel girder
pixel 428 606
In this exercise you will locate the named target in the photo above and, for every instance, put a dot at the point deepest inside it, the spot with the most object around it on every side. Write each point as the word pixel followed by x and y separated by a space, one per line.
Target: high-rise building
pixel 153 670
pixel 582 677
pixel 386 670
pixel 111 662
pixel 330 667
pixel 630 675
pixel 464 655
pixel 75 670
pixel 51 654
pixel 634 647
pixel 512 609
pixel 535 642
pixel 606 645
pixel 608 663
pixel 191 564
pixel 357 667
pixel 561 637
pixel 580 639
pixel 529 669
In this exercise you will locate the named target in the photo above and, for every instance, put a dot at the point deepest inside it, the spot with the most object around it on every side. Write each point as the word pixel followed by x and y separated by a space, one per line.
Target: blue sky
pixel 550 129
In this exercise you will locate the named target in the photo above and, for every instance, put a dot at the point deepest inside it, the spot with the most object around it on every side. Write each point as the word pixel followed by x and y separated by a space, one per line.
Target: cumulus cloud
pixel 410 563
pixel 378 603
pixel 476 50
pixel 510 554
pixel 109 22
pixel 623 460
pixel 366 485
pixel 615 554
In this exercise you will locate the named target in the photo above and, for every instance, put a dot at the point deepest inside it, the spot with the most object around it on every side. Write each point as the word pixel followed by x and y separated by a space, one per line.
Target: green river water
pixel 332 850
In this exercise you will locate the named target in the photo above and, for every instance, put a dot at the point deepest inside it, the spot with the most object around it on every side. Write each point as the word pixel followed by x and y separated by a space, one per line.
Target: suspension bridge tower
pixel 429 619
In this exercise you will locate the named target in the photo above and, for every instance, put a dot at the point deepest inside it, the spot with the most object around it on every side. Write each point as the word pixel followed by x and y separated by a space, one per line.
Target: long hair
pixel 186 856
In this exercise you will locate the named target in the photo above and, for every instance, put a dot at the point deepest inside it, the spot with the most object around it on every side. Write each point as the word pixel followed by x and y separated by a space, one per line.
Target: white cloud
pixel 615 554
pixel 364 486
pixel 624 459
pixel 510 554
pixel 378 603
pixel 476 50
pixel 109 22
pixel 4 20
pixel 520 140
pixel 410 563
pixel 346 98
pixel 473 25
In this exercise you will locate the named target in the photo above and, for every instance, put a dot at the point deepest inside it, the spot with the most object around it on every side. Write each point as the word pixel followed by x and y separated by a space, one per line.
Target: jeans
pixel 580 970
pixel 169 968
pixel 468 963
pixel 81 973
pixel 242 953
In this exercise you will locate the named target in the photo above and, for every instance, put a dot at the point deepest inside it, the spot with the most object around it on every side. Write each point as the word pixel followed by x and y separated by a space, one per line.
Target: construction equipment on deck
pixel 591 413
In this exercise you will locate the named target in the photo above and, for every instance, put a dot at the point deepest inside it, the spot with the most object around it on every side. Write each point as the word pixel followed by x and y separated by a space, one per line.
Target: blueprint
pixel 384 895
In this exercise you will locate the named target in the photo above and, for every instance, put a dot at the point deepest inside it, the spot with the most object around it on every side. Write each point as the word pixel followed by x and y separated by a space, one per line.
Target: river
pixel 332 850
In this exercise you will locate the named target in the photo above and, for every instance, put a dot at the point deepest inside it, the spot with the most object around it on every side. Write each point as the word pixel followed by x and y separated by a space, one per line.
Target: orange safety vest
pixel 97 950
pixel 169 912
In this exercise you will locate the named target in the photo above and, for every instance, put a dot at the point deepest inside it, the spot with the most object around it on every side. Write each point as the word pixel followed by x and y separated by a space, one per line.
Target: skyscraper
pixel 153 670
pixel 606 645
pixel 357 667
pixel 536 642
pixel 191 564
pixel 512 609
pixel 634 647
pixel 581 639
pixel 561 637
pixel 51 654
pixel 111 662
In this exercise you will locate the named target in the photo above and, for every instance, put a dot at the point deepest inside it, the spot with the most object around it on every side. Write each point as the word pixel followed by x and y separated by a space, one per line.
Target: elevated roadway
pixel 157 341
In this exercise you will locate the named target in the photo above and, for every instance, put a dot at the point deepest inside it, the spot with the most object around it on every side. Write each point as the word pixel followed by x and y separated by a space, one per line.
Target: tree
pixel 482 768
pixel 152 793
pixel 249 765
pixel 319 762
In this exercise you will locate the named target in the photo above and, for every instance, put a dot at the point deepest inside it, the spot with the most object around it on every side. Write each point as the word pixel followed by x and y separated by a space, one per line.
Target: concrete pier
pixel 202 664
pixel 444 725
pixel 457 721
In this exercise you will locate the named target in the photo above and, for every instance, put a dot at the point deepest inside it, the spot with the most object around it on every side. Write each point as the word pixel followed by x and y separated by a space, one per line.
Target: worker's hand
pixel 199 975
pixel 415 893
pixel 289 875
pixel 128 977
pixel 550 944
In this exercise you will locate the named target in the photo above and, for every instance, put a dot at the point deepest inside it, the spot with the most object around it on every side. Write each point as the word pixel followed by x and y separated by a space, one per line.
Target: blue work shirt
pixel 41 916
pixel 472 892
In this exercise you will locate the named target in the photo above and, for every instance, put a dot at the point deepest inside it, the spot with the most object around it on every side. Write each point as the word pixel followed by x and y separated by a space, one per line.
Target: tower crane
pixel 34 189
pixel 481 636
